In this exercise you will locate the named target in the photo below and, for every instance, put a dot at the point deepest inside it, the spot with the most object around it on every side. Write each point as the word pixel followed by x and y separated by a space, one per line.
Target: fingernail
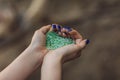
pixel 87 41
pixel 68 28
pixel 53 26
pixel 59 28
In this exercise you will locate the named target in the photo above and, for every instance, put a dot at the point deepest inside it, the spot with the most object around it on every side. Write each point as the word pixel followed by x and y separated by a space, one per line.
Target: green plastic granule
pixel 55 41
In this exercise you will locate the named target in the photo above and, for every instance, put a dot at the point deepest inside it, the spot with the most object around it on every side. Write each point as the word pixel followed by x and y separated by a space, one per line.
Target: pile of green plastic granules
pixel 55 41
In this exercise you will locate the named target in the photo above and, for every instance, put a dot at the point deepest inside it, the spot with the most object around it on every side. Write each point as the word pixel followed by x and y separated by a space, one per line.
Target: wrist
pixel 36 49
pixel 36 53
pixel 53 57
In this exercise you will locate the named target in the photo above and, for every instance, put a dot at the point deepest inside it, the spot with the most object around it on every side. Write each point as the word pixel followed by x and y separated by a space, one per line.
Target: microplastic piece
pixel 54 41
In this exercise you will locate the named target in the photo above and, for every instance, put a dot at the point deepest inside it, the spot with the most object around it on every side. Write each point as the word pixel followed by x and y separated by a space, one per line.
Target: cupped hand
pixel 71 51
pixel 38 42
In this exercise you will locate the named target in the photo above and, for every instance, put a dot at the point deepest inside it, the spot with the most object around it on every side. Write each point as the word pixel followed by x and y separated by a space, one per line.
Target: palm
pixel 71 51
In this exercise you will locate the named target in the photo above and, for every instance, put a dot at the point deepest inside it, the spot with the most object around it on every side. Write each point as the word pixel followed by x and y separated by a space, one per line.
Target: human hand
pixel 29 60
pixel 68 52
pixel 38 42
pixel 53 60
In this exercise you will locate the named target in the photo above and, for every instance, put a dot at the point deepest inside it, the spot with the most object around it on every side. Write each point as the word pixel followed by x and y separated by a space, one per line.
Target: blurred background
pixel 97 20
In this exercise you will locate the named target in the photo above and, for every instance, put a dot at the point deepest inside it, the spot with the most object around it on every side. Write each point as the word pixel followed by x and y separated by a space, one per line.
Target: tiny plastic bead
pixel 55 41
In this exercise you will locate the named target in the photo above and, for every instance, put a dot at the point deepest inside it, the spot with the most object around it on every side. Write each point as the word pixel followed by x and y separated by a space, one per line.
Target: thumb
pixel 81 43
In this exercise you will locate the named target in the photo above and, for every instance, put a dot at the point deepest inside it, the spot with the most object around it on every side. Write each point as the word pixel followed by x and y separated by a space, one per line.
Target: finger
pixel 59 28
pixel 78 41
pixel 45 29
pixel 68 29
pixel 75 34
pixel 63 30
pixel 82 43
pixel 60 33
pixel 65 33
pixel 56 28
pixel 53 27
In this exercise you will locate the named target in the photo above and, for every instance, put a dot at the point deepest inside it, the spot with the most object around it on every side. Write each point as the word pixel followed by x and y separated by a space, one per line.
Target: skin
pixel 53 60
pixel 29 60
pixel 37 54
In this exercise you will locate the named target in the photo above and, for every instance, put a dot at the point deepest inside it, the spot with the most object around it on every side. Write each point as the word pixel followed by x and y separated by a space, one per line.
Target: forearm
pixel 22 66
pixel 51 69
